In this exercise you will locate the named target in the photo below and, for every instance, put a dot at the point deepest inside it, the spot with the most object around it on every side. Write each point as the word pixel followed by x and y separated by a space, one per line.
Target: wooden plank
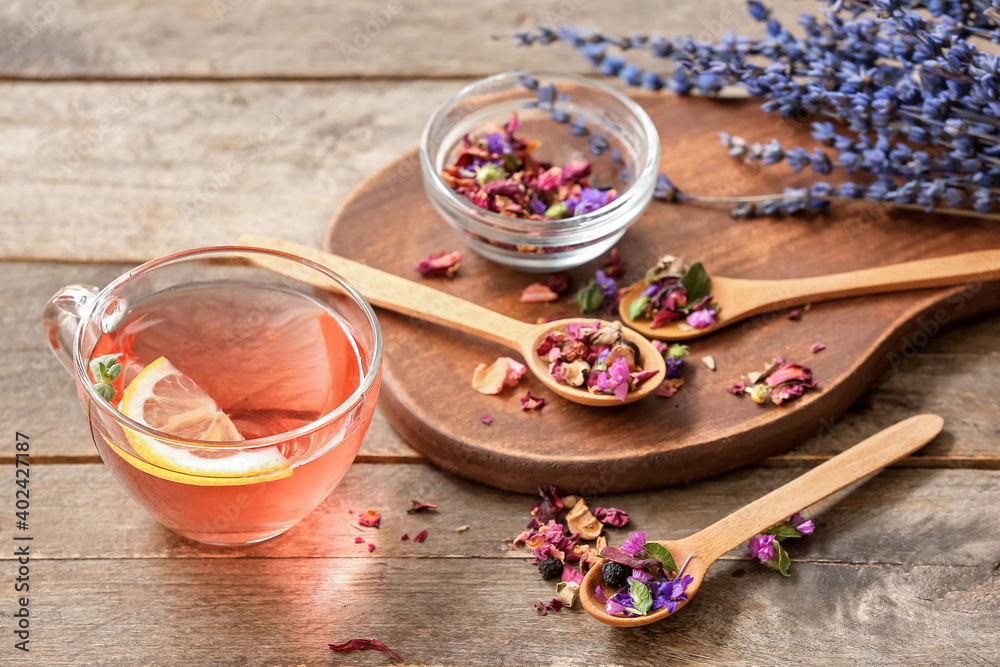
pixel 955 375
pixel 924 517
pixel 287 39
pixel 446 611
pixel 130 171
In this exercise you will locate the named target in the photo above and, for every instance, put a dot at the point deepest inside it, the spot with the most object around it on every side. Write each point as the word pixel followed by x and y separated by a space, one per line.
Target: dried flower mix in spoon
pixel 676 292
pixel 782 381
pixel 594 356
pixel 497 172
pixel 645 578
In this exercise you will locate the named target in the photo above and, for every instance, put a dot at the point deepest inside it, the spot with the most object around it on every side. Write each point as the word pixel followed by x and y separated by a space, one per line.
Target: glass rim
pixel 574 223
pixel 356 397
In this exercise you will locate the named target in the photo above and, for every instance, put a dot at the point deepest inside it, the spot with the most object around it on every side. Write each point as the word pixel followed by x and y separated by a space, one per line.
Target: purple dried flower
pixel 806 527
pixel 762 547
pixel 635 542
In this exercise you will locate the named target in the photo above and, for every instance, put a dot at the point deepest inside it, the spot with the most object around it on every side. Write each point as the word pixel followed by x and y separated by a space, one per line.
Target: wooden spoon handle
pixel 847 467
pixel 968 267
pixel 407 297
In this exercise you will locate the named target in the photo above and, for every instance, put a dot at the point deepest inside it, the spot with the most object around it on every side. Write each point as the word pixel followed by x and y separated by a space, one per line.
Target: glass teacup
pixel 228 389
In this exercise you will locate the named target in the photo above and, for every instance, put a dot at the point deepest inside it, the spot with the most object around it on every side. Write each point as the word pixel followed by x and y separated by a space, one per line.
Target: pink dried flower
pixel 817 347
pixel 529 402
pixel 762 547
pixel 611 516
pixel 440 264
pixel 537 292
pixel 370 518
pixel 486 419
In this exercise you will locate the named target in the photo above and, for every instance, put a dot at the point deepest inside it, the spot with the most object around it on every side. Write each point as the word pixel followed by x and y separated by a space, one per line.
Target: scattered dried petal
pixel 404 537
pixel 421 536
pixel 709 361
pixel 371 548
pixel 580 520
pixel 625 558
pixel 568 591
pixel 737 388
pixel 462 529
pixel 669 387
pixel 440 264
pixel 502 372
pixel 612 516
pixel 529 402
pixel 559 282
pixel 794 315
pixel 365 645
pixel 370 518
pixel 537 292
pixel 486 419
pixel 555 605
pixel 419 507
pixel 817 347
pixel 359 540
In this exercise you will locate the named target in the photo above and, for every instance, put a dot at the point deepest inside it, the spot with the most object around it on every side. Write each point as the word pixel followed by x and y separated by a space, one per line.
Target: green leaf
pixel 638 307
pixel 106 391
pixel 783 529
pixel 660 553
pixel 511 163
pixel 696 283
pixel 642 599
pixel 112 373
pixel 677 351
pixel 780 560
pixel 99 366
pixel 590 297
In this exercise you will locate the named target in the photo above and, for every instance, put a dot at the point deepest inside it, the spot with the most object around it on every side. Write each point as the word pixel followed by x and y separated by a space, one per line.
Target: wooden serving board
pixel 703 430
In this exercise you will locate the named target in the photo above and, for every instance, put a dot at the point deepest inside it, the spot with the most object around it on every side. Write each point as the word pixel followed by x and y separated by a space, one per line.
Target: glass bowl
pixel 629 162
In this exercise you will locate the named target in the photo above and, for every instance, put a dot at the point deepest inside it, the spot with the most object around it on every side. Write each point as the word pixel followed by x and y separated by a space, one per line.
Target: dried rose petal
pixel 421 536
pixel 515 371
pixel 404 537
pixel 625 558
pixel 419 506
pixel 572 575
pixel 486 419
pixel 491 379
pixel 529 402
pixel 365 645
pixel 359 540
pixel 371 548
pixel 794 315
pixel 817 347
pixel 440 264
pixel 537 292
pixel 370 518
pixel 559 282
pixel 615 266
pixel 737 388
pixel 611 516
pixel 580 520
pixel 669 387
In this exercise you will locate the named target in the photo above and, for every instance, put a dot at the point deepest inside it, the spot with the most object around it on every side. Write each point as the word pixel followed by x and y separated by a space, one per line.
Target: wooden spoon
pixel 740 299
pixel 706 546
pixel 409 298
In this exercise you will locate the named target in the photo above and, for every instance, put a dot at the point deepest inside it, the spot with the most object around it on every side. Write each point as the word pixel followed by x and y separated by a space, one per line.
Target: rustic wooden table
pixel 119 122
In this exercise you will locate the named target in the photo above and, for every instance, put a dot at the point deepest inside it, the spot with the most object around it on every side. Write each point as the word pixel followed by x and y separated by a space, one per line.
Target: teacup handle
pixel 62 316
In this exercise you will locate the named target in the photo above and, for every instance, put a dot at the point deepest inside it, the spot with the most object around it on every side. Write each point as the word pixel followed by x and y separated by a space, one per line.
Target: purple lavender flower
pixel 762 547
pixel 608 284
pixel 701 319
pixel 635 542
pixel 806 527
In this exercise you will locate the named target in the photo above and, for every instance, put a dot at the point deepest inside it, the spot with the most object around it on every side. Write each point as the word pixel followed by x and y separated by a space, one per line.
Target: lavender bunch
pixel 903 99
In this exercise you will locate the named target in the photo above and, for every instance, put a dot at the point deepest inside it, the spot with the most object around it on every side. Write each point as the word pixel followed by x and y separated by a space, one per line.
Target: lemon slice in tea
pixel 165 399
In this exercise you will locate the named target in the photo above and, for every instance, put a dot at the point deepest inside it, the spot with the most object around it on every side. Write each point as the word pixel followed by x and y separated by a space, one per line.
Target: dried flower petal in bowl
pixel 596 356
pixel 676 292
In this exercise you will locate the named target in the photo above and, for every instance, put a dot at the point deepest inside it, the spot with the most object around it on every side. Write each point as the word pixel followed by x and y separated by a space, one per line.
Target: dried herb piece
pixel 567 592
pixel 675 292
pixel 105 370
pixel 625 558
pixel 504 372
pixel 580 520
pixel 370 518
pixel 440 264
pixel 611 516
pixel 537 292
pixel 530 402
pixel 660 553
pixel 420 507
pixel 421 536
pixel 365 645
pixel 780 380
